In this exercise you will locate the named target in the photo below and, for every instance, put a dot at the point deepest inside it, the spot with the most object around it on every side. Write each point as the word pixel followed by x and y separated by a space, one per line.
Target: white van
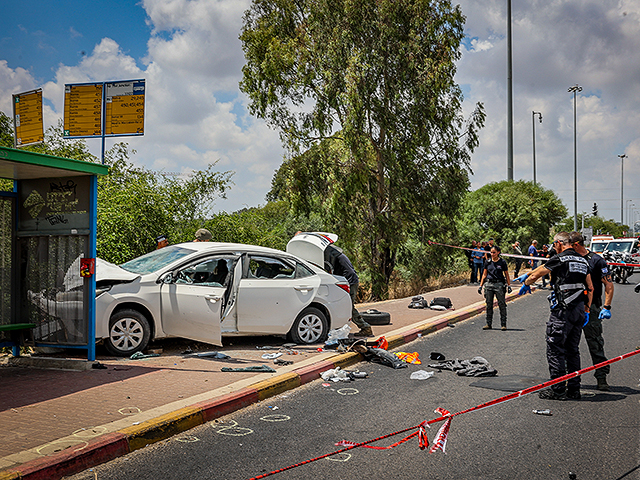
pixel 599 243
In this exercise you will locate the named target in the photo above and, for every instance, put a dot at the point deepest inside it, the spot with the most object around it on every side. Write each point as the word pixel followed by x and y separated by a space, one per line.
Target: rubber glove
pixel 586 319
pixel 480 290
pixel 509 290
pixel 524 289
pixel 605 314
pixel 521 278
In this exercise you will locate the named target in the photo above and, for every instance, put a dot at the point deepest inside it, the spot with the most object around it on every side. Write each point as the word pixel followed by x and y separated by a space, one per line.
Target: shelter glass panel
pixel 52 290
pixel 7 216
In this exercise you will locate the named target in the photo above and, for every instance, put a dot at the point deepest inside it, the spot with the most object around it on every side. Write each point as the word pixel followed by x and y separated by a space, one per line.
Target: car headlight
pixel 103 289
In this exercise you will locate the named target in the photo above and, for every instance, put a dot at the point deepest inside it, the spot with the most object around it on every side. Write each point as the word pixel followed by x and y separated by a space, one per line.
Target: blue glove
pixel 524 289
pixel 605 314
pixel 521 278
pixel 586 319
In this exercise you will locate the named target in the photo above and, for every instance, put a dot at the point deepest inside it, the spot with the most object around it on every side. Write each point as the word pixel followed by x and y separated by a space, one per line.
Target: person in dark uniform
pixel 337 263
pixel 495 278
pixel 600 275
pixel 570 301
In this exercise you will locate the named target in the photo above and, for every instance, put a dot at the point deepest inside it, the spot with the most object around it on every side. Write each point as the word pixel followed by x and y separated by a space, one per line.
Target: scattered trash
pixel 421 375
pixel 217 355
pixel 272 407
pixel 380 355
pixel 335 375
pixel 441 303
pixel 140 355
pixel 98 366
pixel 326 384
pixel 358 374
pixel 254 368
pixel 282 361
pixel 382 343
pixel 451 325
pixel 266 347
pixel 271 356
pixel 188 351
pixel 338 333
pixel 476 367
pixel 543 412
pixel 290 345
pixel 436 356
pixel 418 302
pixel 413 358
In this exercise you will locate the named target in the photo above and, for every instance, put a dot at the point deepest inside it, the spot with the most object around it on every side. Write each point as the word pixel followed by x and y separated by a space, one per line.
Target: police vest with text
pixel 568 278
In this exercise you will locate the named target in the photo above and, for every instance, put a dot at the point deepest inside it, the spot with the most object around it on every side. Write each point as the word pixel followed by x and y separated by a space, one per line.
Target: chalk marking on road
pixel 275 418
pixel 345 457
pixel 240 431
pixel 348 391
pixel 129 411
pixel 187 439
pixel 90 432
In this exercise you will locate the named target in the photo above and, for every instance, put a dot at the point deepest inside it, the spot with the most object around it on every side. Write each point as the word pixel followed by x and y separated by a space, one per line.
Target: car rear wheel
pixel 311 326
pixel 129 332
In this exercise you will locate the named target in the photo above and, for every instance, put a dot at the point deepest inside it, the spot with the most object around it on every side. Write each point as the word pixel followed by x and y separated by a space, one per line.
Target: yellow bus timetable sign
pixel 83 110
pixel 124 114
pixel 27 118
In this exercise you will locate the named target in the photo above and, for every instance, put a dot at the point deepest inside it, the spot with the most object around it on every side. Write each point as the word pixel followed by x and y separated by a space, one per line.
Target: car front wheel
pixel 310 327
pixel 129 332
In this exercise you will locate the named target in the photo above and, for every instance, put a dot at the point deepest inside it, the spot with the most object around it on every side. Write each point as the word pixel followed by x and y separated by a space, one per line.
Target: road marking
pixel 275 418
pixel 348 391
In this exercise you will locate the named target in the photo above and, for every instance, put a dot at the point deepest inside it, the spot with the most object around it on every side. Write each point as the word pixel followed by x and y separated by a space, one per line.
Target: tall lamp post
pixel 533 123
pixel 509 98
pixel 575 89
pixel 622 157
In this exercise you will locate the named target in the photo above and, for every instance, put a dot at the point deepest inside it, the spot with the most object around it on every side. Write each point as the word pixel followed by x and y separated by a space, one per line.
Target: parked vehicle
pixel 619 273
pixel 204 291
pixel 599 243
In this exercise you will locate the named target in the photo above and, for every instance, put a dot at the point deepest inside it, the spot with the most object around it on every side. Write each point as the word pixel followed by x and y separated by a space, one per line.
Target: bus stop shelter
pixel 48 210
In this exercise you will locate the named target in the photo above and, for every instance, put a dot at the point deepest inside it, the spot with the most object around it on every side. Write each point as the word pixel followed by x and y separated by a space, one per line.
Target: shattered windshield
pixel 625 246
pixel 599 247
pixel 156 260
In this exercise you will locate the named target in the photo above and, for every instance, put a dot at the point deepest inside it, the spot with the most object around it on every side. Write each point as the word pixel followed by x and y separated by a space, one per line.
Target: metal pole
pixel 576 88
pixel 509 98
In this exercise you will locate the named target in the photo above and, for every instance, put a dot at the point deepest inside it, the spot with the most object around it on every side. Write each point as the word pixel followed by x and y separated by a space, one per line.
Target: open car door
pixel 193 302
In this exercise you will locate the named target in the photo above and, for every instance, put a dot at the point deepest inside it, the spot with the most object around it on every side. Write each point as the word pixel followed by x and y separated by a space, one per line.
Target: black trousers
pixel 564 330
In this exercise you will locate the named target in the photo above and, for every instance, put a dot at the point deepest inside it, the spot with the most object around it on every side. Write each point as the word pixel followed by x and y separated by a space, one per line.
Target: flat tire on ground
pixel 375 317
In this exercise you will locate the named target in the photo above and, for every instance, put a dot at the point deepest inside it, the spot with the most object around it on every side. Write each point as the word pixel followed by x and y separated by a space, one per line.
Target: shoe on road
pixel 603 386
pixel 549 394
pixel 487 327
pixel 364 332
pixel 574 395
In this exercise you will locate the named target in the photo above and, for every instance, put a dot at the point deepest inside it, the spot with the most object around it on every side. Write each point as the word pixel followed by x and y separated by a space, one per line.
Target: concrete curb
pixel 112 445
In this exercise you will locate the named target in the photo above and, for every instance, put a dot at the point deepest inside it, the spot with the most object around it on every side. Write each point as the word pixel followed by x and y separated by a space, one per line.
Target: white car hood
pixel 111 271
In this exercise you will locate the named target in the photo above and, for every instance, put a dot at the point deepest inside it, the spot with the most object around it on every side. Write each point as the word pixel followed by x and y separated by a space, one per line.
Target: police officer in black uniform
pixel 600 275
pixel 570 302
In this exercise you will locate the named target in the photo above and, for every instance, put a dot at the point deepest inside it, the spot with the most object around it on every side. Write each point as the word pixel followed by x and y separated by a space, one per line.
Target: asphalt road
pixel 595 438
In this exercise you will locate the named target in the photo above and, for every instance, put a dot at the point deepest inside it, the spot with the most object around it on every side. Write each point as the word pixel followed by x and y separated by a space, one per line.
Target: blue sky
pixel 190 55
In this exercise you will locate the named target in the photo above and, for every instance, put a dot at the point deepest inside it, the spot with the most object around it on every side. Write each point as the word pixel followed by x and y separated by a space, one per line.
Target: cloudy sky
pixel 191 58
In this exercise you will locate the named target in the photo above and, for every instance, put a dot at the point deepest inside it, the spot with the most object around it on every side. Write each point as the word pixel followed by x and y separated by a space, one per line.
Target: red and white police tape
pixel 441 438
pixel 525 257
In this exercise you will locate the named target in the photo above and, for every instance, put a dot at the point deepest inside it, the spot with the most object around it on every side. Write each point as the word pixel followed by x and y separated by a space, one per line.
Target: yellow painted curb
pixel 11 475
pixel 276 385
pixel 162 427
pixel 345 359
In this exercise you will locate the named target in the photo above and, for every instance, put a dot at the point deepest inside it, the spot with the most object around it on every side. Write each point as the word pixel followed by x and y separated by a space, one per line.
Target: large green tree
pixel 510 211
pixel 366 90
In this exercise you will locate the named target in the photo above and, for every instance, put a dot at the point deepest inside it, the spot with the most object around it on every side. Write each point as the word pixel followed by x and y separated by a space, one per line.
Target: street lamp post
pixel 533 123
pixel 576 88
pixel 622 157
pixel 509 97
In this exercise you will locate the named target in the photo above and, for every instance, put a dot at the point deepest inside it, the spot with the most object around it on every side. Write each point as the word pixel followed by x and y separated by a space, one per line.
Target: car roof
pixel 224 246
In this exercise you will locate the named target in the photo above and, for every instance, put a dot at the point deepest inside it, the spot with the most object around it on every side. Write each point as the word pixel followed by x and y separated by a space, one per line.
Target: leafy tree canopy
pixel 599 225
pixel 366 90
pixel 509 211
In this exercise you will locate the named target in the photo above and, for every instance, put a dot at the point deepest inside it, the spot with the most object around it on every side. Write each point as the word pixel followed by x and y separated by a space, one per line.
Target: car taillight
pixel 344 286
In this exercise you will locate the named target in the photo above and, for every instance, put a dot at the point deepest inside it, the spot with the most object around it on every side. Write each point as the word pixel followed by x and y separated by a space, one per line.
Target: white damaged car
pixel 204 291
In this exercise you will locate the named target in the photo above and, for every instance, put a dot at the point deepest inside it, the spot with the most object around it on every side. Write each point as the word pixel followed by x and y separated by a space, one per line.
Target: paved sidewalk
pixel 69 416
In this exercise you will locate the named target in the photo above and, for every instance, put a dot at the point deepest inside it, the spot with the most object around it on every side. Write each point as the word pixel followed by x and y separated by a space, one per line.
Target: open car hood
pixel 111 271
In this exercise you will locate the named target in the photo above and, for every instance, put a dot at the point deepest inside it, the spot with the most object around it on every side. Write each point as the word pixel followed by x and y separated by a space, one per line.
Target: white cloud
pixel 557 44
